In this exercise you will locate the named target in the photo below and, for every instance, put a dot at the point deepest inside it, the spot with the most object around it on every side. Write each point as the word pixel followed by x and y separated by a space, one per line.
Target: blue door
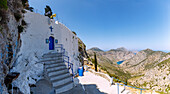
pixel 51 43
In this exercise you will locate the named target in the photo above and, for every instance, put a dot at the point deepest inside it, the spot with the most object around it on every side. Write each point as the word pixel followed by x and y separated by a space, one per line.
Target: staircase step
pixel 53 55
pixel 61 81
pixel 65 87
pixel 60 76
pixel 55 68
pixel 53 62
pixel 60 69
pixel 52 65
pixel 47 60
pixel 51 59
pixel 57 72
pixel 51 73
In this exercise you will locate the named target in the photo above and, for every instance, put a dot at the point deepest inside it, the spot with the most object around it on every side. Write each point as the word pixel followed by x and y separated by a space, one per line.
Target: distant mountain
pixel 146 69
pixel 119 49
pixel 96 49
pixel 114 55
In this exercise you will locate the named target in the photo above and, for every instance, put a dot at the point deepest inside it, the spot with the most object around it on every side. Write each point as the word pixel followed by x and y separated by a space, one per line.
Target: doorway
pixel 51 43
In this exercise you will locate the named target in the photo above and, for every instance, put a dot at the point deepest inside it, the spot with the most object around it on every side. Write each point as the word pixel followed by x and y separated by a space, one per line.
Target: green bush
pixel 95 61
pixel 3 4
pixel 24 23
pixel 23 2
pixel 20 29
pixel 23 11
pixel 74 33
pixel 17 16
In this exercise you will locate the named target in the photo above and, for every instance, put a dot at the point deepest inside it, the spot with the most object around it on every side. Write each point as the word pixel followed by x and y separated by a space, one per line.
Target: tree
pixel 3 4
pixel 48 11
pixel 95 61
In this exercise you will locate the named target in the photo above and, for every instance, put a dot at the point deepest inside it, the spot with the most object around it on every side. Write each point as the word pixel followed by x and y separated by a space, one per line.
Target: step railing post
pixel 1 89
pixel 117 88
pixel 64 56
pixel 12 88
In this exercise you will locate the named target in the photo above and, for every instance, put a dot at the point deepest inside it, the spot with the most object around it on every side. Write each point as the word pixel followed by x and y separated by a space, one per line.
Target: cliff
pixel 11 19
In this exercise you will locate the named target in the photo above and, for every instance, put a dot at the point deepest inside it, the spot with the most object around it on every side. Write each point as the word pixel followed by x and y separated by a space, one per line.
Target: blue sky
pixel 109 24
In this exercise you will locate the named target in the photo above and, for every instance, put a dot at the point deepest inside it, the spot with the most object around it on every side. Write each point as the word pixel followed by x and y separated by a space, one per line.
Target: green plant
pixel 20 29
pixel 48 11
pixel 95 61
pixel 23 23
pixel 74 33
pixel 23 11
pixel 3 4
pixel 17 16
pixel 24 2
pixel 31 9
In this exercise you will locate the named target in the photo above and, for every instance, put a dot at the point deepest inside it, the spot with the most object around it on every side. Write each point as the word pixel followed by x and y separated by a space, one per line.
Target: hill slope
pixel 146 69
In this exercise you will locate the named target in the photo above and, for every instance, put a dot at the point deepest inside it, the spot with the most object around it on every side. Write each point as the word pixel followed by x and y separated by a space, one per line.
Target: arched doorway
pixel 51 43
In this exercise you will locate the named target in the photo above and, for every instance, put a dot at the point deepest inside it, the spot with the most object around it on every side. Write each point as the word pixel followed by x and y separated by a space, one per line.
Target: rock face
pixel 146 69
pixel 11 17
pixel 82 51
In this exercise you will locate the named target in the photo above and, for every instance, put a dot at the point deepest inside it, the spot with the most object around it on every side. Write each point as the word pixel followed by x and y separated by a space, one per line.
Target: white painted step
pixel 59 57
pixel 53 55
pixel 57 72
pixel 54 65
pixel 47 60
pixel 53 62
pixel 56 68
pixel 61 81
pixel 56 77
pixel 64 88
pixel 50 59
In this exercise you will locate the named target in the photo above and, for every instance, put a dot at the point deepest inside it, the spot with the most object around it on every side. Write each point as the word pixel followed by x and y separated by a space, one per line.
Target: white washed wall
pixel 38 30
pixel 34 45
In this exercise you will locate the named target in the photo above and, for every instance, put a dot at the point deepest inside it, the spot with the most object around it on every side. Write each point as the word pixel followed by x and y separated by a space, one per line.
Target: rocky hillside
pixel 11 25
pixel 149 69
pixel 82 50
pixel 107 60
pixel 143 60
pixel 146 69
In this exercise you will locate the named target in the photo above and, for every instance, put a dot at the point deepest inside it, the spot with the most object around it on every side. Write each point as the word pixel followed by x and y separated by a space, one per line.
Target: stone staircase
pixel 57 72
